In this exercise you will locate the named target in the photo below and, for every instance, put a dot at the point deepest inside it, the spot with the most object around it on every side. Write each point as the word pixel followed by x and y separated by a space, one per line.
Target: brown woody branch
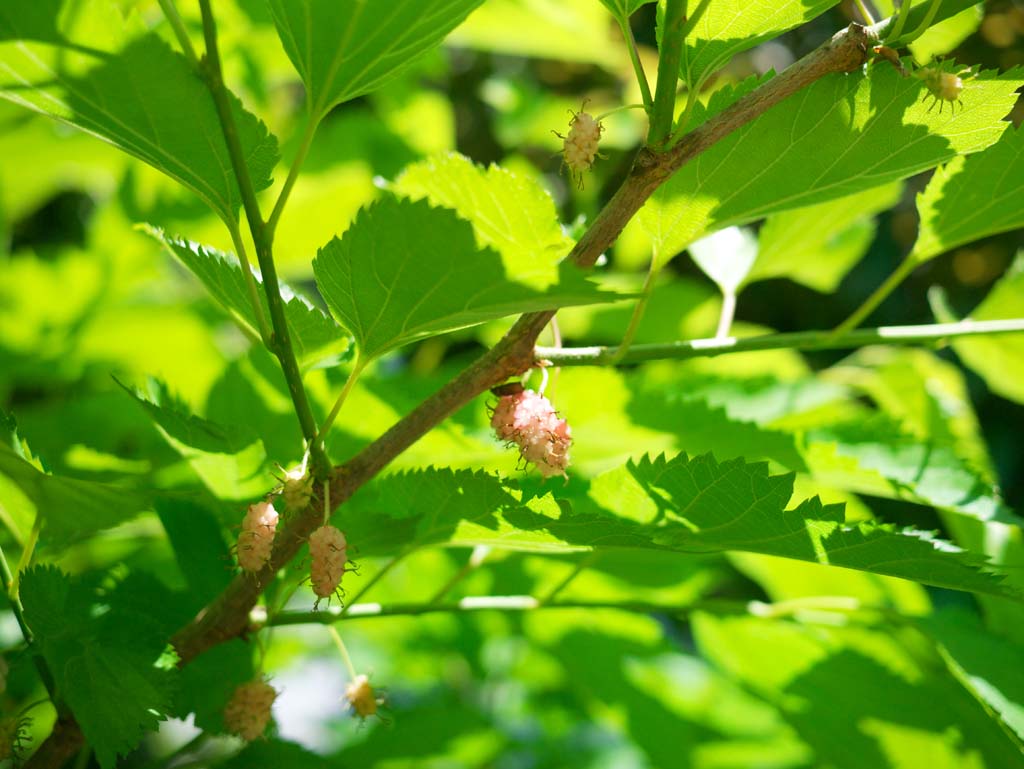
pixel 227 616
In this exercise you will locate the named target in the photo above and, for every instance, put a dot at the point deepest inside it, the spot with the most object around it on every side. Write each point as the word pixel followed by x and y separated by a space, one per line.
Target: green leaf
pixel 683 505
pixel 107 668
pixel 344 50
pixel 904 467
pixel 623 9
pixel 974 197
pixel 230 460
pixel 71 509
pixel 728 27
pixel 509 212
pixel 817 245
pixel 999 360
pixel 406 270
pixel 89 67
pixel 208 682
pixel 195 535
pixel 837 137
pixel 314 334
pixel 726 257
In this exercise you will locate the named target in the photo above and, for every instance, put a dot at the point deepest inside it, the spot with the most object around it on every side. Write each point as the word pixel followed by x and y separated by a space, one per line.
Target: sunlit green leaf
pixel 972 197
pixel 406 270
pixel 88 66
pixel 623 9
pixel 342 51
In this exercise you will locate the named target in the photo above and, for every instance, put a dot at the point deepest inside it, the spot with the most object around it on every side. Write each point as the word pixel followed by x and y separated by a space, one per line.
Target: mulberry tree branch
pixel 227 616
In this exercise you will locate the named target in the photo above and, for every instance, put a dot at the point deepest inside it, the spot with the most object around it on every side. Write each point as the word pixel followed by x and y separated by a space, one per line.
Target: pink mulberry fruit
pixel 528 420
pixel 256 539
pixel 327 549
pixel 248 712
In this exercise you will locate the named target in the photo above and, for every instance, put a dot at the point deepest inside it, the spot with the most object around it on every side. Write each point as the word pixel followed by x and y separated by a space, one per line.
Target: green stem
pixel 868 18
pixel 281 344
pixel 336 637
pixel 19 614
pixel 921 28
pixel 879 295
pixel 695 17
pixel 250 284
pixel 525 603
pixel 638 312
pixel 357 369
pixel 584 563
pixel 901 20
pixel 638 66
pixel 384 571
pixel 27 550
pixel 663 111
pixel 312 121
pixel 477 557
pixel 178 26
pixel 799 340
pixel 727 314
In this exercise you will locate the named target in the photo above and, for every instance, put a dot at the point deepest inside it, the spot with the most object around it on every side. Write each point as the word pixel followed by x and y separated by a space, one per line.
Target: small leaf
pixel 726 257
pixel 406 270
pixel 837 137
pixel 999 360
pixel 818 245
pixel 623 9
pixel 89 67
pixel 344 50
pixel 229 459
pixel 972 197
pixel 314 334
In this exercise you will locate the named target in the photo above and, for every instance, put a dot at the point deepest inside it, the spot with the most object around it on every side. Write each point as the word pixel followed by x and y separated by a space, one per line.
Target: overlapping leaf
pixel 837 137
pixel 83 64
pixel 406 270
pixel 685 505
pixel 313 332
pixel 972 197
pixel 343 50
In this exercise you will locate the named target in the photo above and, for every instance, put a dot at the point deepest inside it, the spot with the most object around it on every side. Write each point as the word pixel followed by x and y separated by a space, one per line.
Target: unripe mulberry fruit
pixel 942 86
pixel 248 711
pixel 528 420
pixel 297 489
pixel 361 697
pixel 256 539
pixel 327 550
pixel 13 736
pixel 579 149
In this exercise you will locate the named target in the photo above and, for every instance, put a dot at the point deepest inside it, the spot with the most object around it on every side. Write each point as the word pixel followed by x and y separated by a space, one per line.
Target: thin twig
pixel 638 66
pixel 797 340
pixel 878 296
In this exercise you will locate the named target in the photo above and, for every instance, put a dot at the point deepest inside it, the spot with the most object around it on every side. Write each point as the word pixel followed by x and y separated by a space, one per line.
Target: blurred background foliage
pixel 84 294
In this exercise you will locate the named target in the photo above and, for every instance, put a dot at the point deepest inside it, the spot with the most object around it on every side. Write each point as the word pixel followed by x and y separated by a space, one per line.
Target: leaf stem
pixel 663 110
pixel 383 572
pixel 10 589
pixel 634 57
pixel 798 340
pixel 250 284
pixel 353 375
pixel 695 17
pixel 312 121
pixel 582 564
pixel 727 314
pixel 27 549
pixel 476 558
pixel 281 344
pixel 921 28
pixel 638 311
pixel 878 296
pixel 862 7
pixel 178 26
pixel 901 20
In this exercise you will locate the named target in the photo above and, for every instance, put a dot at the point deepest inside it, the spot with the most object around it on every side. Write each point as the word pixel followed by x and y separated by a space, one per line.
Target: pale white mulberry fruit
pixel 248 711
pixel 528 420
pixel 361 697
pixel 580 147
pixel 328 552
pixel 256 539
pixel 942 86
